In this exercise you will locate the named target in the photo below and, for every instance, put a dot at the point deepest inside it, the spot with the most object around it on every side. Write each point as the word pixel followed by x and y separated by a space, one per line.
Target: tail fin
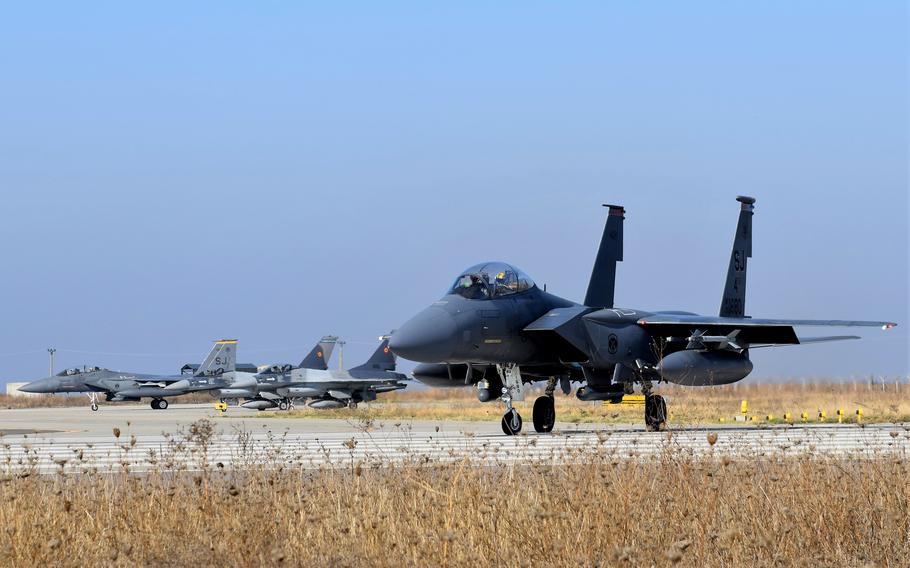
pixel 319 357
pixel 734 302
pixel 382 360
pixel 222 359
pixel 603 277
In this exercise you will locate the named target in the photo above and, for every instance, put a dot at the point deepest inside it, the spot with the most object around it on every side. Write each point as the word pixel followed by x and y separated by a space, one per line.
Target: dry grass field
pixel 687 405
pixel 673 510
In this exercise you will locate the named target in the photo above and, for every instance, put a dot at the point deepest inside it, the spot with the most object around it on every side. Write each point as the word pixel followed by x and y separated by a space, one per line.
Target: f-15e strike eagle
pixel 216 372
pixel 495 328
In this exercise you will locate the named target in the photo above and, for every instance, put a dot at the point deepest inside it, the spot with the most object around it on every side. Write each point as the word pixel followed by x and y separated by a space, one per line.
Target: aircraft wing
pixel 751 330
pixel 163 380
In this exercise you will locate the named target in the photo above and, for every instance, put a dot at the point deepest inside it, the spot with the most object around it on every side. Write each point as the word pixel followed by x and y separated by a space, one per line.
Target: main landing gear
pixel 655 410
pixel 545 409
pixel 159 404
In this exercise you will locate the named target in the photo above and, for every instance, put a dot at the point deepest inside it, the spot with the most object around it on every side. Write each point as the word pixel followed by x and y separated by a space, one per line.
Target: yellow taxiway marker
pixel 629 400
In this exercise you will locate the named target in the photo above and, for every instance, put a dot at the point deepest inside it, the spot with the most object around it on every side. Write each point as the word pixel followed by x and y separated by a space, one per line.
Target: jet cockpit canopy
pixel 491 280
pixel 78 371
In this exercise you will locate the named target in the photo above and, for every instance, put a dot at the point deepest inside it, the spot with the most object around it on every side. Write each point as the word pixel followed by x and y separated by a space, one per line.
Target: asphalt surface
pixel 49 440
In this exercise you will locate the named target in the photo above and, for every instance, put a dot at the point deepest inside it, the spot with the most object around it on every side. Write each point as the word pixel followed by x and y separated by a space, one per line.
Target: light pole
pixel 51 351
pixel 341 345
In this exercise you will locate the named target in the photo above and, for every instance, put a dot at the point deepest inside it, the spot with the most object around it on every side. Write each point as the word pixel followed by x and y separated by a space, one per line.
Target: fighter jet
pixel 215 372
pixel 323 388
pixel 495 328
pixel 265 381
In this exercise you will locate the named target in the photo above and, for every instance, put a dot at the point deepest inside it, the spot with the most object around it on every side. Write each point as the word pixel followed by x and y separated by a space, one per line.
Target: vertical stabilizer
pixel 222 359
pixel 603 277
pixel 733 304
pixel 382 359
pixel 319 357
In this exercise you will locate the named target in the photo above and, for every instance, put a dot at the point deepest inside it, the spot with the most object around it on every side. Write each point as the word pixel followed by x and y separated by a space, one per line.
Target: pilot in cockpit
pixel 472 286
pixel 506 282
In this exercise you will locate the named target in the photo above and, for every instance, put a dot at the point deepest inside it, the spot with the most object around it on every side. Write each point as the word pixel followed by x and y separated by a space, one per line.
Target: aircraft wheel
pixel 655 413
pixel 162 404
pixel 511 423
pixel 282 405
pixel 544 414
pixel 154 404
pixel 94 407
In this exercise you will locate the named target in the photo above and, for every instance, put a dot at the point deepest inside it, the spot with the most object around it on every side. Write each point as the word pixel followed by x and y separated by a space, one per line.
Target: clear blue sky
pixel 174 173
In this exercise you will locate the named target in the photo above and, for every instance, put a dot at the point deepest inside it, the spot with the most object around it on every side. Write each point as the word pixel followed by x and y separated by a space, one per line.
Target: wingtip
pixel 889 325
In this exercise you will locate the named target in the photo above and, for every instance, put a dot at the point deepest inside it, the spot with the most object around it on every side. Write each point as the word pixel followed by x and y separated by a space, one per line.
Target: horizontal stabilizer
pixel 672 319
pixel 826 339
pixel 810 340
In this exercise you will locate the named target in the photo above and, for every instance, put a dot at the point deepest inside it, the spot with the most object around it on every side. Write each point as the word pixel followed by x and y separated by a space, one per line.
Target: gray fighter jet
pixel 495 328
pixel 215 372
pixel 316 359
pixel 280 387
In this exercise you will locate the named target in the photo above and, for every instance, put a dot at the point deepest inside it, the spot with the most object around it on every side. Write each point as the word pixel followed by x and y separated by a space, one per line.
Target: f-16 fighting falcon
pixel 279 387
pixel 495 328
pixel 215 372
pixel 316 359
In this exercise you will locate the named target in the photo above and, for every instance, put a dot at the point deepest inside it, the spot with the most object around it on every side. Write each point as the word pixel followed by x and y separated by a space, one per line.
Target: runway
pixel 50 440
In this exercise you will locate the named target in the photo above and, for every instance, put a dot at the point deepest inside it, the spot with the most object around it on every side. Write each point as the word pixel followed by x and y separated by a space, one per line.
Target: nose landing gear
pixel 511 422
pixel 513 388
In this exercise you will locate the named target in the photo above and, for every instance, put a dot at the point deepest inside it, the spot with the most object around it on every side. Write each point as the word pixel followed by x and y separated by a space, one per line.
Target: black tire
pixel 544 414
pixel 162 404
pixel 511 423
pixel 655 413
pixel 94 407
pixel 282 405
pixel 154 404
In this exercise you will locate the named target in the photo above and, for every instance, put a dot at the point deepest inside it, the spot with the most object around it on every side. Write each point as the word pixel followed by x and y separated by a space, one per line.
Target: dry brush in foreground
pixel 675 510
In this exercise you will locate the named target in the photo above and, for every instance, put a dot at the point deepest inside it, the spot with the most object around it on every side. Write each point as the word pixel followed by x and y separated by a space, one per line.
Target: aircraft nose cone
pixel 40 386
pixel 428 337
